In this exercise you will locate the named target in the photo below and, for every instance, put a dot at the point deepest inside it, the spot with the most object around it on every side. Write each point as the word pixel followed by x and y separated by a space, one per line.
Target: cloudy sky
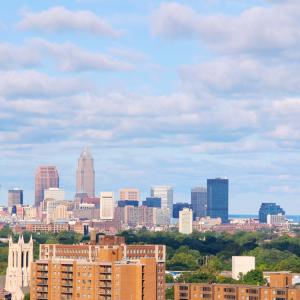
pixel 162 92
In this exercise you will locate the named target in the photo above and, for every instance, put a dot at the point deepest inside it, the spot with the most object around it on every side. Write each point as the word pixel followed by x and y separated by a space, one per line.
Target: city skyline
pixel 162 92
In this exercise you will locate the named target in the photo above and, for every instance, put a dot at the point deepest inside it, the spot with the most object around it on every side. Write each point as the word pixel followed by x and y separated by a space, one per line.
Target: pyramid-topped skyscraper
pixel 85 175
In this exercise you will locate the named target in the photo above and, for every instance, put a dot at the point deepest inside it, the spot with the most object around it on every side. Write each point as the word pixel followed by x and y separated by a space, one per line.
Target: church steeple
pixel 20 257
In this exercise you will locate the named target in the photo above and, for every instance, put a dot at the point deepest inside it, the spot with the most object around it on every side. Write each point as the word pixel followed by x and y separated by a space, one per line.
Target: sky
pixel 163 93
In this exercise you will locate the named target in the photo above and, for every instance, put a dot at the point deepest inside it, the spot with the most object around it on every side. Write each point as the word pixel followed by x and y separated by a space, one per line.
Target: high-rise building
pixel 217 199
pixel 46 177
pixel 20 257
pixel 269 209
pixel 129 194
pixel 152 202
pixel 55 194
pixel 107 205
pixel 85 175
pixel 177 207
pixel 123 203
pixel 107 270
pixel 15 196
pixel 199 202
pixel 165 193
pixel 186 221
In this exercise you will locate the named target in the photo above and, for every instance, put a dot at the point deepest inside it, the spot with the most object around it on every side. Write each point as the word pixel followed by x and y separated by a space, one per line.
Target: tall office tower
pixel 186 221
pixel 109 269
pixel 177 207
pixel 123 203
pixel 55 194
pixel 165 193
pixel 45 177
pixel 152 202
pixel 85 175
pixel 129 194
pixel 15 196
pixel 199 202
pixel 217 199
pixel 20 257
pixel 107 205
pixel 269 209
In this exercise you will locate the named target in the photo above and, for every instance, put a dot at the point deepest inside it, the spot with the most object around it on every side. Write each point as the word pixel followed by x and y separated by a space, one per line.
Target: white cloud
pixel 60 19
pixel 36 84
pixel 18 57
pixel 255 29
pixel 243 76
pixel 71 58
pixel 284 189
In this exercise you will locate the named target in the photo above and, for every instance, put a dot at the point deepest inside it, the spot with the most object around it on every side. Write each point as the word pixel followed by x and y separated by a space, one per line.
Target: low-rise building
pixel 280 288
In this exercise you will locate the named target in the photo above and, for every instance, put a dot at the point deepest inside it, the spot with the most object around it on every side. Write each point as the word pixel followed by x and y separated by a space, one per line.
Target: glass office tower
pixel 217 198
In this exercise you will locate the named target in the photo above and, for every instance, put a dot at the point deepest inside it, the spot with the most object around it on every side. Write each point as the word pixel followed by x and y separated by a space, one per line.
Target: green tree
pixel 69 237
pixel 197 277
pixel 183 261
pixel 170 293
pixel 169 278
pixel 254 277
pixel 5 232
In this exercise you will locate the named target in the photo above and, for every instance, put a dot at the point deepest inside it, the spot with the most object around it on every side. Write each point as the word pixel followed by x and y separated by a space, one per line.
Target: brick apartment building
pixel 280 288
pixel 109 269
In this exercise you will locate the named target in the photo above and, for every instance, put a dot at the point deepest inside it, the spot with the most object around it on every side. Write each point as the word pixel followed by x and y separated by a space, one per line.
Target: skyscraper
pixel 152 202
pixel 107 205
pixel 45 177
pixel 177 207
pixel 269 209
pixel 129 194
pixel 217 199
pixel 85 175
pixel 199 202
pixel 166 195
pixel 15 196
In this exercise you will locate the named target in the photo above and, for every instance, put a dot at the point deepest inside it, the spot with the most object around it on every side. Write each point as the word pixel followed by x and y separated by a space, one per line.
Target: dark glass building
pixel 123 203
pixel 269 209
pixel 217 198
pixel 177 207
pixel 152 202
pixel 199 202
pixel 15 196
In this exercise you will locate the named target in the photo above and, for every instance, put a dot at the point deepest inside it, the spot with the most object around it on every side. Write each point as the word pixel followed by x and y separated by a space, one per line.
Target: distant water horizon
pixel 293 218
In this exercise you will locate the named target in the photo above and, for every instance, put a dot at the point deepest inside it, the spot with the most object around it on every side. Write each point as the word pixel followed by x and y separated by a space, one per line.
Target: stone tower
pixel 85 174
pixel 20 257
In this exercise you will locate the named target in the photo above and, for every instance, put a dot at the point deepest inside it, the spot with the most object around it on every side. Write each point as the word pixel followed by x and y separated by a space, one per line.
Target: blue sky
pixel 169 92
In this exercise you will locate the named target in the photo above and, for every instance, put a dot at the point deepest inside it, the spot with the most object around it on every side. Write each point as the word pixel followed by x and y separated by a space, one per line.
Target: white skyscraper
pixel 186 221
pixel 85 175
pixel 107 205
pixel 166 195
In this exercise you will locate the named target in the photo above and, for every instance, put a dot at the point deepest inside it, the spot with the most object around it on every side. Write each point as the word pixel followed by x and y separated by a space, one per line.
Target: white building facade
pixel 241 265
pixel 186 221
pixel 107 205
